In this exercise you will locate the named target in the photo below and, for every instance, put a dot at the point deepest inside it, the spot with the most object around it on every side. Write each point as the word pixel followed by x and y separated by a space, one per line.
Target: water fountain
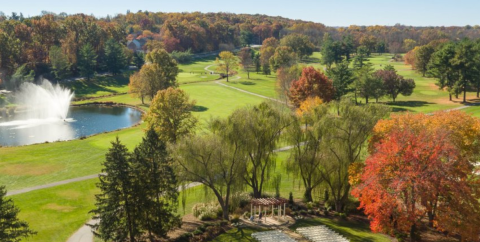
pixel 44 114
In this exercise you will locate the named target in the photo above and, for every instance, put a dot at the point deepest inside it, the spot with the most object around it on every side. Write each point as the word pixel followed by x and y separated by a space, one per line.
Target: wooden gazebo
pixel 264 203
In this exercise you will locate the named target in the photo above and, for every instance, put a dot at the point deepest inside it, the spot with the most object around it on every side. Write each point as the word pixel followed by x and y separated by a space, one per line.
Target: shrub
pixel 290 199
pixel 235 218
pixel 182 57
pixel 206 211
pixel 342 215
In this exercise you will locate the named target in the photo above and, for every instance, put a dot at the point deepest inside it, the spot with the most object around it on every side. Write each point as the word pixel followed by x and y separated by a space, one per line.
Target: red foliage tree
pixel 412 174
pixel 312 83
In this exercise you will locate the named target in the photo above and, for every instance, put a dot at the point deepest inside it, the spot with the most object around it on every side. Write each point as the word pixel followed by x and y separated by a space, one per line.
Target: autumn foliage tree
pixel 395 84
pixel 420 167
pixel 312 83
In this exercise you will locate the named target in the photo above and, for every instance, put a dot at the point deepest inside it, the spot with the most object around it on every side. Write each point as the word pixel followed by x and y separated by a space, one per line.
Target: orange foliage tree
pixel 420 167
pixel 312 83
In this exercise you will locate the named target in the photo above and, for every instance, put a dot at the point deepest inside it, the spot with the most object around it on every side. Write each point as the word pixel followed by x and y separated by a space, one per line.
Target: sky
pixel 330 13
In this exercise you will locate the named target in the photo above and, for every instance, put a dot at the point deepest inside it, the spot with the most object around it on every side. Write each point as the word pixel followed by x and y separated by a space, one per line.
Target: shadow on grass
pixel 412 104
pixel 198 108
pixel 248 83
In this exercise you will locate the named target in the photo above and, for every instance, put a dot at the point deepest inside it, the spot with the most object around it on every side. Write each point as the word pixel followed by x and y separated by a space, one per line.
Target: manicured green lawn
pixel 354 231
pixel 57 212
pixel 195 71
pixel 32 165
pixel 100 85
pixel 258 83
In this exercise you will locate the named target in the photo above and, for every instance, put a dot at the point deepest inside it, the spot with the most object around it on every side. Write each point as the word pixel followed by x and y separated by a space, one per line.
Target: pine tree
pixel 87 61
pixel 157 188
pixel 11 228
pixel 115 57
pixel 116 208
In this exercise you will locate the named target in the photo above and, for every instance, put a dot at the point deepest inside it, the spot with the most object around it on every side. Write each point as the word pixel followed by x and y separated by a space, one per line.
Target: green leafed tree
pixel 422 58
pixel 257 130
pixel 12 229
pixel 87 61
pixel 211 161
pixel 59 62
pixel 170 115
pixel 300 44
pixel 156 187
pixel 116 207
pixel 342 78
pixel 115 58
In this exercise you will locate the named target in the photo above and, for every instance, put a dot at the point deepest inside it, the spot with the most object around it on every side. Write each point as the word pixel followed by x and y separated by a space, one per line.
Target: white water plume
pixel 44 101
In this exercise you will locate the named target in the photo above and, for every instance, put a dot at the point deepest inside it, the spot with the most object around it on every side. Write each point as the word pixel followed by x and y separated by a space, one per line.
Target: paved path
pixel 29 189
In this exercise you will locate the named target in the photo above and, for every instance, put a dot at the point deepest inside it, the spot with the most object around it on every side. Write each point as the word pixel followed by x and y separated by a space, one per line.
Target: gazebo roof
pixel 268 201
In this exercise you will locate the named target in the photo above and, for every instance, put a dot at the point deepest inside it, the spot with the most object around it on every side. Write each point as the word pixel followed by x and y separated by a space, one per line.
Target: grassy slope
pixel 55 213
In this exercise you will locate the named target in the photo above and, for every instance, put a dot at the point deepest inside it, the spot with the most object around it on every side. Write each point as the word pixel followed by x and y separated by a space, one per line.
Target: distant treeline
pixel 28 41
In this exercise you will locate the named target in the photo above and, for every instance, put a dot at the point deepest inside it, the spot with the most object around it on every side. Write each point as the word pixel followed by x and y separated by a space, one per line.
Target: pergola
pixel 264 203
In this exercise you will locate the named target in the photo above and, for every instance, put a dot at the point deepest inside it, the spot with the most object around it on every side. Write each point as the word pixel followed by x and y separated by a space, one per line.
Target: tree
pixel 266 52
pixel 308 153
pixel 464 62
pixel 312 83
pixel 137 87
pixel 342 78
pixel 348 46
pixel 300 44
pixel 213 162
pixel 330 52
pixel 246 38
pixel 138 59
pixel 409 44
pixel 395 84
pixel 369 41
pixel 23 74
pixel 227 63
pixel 170 115
pixel 246 60
pixel 442 69
pixel 346 130
pixel 361 57
pixel 115 57
pixel 285 77
pixel 368 85
pixel 284 57
pixel 12 229
pixel 116 208
pixel 256 131
pixel 59 62
pixel 427 176
pixel 159 73
pixel 87 61
pixel 257 62
pixel 409 57
pixel 156 187
pixel 422 58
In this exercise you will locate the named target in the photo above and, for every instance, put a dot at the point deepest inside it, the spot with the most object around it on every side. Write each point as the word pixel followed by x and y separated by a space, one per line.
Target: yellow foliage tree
pixel 308 105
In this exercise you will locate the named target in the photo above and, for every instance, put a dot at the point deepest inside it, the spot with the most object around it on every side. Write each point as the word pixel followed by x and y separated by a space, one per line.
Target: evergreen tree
pixel 157 188
pixel 11 228
pixel 116 208
pixel 138 59
pixel 115 57
pixel 342 78
pixel 59 62
pixel 87 61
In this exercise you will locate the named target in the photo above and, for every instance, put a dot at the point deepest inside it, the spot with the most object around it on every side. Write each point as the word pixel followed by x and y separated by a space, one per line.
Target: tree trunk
pixel 248 75
pixel 308 194
pixel 478 90
pixel 227 74
pixel 450 96
pixel 356 103
pixel 413 235
pixel 431 216
pixel 366 100
pixel 465 92
pixel 142 99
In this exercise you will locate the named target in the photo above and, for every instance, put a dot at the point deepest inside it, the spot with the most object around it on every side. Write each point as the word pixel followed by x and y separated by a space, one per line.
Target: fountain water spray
pixel 44 103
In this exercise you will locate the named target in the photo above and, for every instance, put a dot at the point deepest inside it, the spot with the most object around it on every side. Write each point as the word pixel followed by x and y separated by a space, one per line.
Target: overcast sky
pixel 330 12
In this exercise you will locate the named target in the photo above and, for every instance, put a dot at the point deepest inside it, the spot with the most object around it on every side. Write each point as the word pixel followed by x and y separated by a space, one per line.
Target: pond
pixel 81 121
